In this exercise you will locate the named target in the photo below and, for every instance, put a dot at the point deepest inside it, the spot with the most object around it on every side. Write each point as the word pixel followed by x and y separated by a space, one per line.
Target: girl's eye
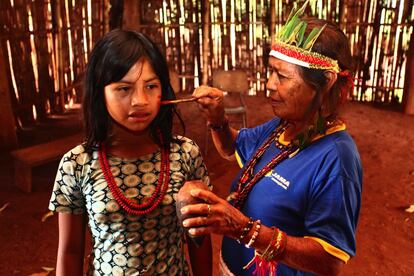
pixel 123 88
pixel 152 86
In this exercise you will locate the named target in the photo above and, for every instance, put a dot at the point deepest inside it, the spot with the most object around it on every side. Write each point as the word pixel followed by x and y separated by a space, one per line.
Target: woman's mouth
pixel 275 102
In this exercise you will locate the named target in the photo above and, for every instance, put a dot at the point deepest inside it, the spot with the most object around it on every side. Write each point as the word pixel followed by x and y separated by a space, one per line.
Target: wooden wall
pixel 379 32
pixel 45 45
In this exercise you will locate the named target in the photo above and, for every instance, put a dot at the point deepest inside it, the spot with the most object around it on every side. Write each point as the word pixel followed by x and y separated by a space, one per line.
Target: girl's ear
pixel 331 77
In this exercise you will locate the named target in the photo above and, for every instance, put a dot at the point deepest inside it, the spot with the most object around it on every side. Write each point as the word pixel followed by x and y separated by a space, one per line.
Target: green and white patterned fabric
pixel 126 244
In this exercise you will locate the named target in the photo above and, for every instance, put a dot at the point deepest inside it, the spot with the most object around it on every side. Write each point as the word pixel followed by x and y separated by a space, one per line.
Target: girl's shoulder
pixel 182 143
pixel 178 139
pixel 80 150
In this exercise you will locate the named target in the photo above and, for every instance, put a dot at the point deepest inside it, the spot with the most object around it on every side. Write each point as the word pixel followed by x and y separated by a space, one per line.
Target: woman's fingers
pixel 200 231
pixel 196 222
pixel 205 195
pixel 203 209
pixel 207 95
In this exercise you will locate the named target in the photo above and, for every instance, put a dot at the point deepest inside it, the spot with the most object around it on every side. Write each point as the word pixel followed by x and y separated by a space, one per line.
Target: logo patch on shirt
pixel 278 179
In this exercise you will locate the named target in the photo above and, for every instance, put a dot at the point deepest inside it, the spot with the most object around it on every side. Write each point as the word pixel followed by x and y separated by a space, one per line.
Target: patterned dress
pixel 125 244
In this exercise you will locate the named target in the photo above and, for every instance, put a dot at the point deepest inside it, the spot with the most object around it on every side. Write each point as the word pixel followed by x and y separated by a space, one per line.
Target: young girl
pixel 123 180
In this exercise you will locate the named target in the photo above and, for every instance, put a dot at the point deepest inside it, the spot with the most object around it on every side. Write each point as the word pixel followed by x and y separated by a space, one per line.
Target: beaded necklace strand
pixel 248 179
pixel 127 204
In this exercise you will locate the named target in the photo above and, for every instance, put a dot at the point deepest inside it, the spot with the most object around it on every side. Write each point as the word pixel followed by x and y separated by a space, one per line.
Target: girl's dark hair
pixel 110 60
pixel 332 43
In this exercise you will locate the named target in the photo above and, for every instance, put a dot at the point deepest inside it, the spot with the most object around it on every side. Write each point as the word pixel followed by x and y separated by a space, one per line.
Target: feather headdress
pixel 292 46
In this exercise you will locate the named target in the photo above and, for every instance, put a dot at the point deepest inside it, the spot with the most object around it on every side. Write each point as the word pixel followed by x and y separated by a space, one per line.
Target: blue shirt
pixel 316 193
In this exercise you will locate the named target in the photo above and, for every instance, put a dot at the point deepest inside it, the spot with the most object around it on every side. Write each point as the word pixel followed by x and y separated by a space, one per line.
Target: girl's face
pixel 290 95
pixel 134 101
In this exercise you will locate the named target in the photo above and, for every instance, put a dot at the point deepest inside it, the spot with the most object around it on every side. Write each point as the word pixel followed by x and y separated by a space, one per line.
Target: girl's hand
pixel 216 216
pixel 210 101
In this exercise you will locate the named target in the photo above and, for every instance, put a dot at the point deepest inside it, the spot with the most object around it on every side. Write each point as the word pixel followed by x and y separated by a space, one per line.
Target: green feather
pixel 312 37
pixel 289 27
pixel 320 125
pixel 301 34
pixel 291 39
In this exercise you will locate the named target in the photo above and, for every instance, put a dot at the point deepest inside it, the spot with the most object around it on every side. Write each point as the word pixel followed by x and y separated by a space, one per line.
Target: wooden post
pixel 8 139
pixel 206 40
pixel 131 14
pixel 272 21
pixel 59 56
pixel 408 95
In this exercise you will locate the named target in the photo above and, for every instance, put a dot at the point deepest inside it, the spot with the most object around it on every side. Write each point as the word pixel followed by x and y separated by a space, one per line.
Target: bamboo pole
pixel 272 30
pixel 206 39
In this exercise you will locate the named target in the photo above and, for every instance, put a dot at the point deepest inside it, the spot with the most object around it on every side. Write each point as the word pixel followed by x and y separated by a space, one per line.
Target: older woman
pixel 294 205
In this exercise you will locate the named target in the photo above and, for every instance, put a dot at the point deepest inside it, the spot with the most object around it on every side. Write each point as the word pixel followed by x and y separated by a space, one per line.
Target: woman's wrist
pixel 218 125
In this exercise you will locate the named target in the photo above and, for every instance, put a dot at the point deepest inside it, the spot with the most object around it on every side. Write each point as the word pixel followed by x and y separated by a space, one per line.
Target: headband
pixel 292 46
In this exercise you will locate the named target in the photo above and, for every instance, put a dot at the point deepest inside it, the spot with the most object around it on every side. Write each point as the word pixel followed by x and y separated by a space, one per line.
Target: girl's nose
pixel 139 97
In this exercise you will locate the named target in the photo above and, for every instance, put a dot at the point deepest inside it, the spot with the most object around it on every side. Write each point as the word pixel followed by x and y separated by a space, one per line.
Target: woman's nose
pixel 271 84
pixel 139 97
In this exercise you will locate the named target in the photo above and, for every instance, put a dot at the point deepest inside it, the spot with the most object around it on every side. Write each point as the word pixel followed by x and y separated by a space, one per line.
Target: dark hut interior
pixel 44 50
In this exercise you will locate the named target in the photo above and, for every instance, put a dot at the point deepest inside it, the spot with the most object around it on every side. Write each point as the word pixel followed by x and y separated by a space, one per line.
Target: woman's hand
pixel 210 101
pixel 215 216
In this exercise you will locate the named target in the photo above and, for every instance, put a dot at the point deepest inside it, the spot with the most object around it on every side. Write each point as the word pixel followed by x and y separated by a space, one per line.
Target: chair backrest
pixel 233 81
pixel 174 80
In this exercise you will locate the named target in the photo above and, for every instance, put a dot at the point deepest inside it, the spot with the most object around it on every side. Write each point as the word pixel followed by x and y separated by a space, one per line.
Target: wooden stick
pixel 178 101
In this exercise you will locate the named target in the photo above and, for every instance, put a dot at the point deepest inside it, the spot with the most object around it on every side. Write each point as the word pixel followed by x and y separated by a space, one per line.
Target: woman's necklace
pixel 248 179
pixel 127 204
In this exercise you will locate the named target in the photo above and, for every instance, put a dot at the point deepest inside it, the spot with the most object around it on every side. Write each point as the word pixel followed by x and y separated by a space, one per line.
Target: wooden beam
pixel 131 14
pixel 408 96
pixel 206 40
pixel 8 138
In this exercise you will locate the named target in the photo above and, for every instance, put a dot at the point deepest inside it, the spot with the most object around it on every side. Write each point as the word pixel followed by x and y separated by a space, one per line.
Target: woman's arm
pixel 210 101
pixel 300 253
pixel 71 244
pixel 201 257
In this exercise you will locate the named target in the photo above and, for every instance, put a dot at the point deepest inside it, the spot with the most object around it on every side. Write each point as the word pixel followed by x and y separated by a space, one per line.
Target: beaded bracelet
pixel 255 234
pixel 277 247
pixel 218 127
pixel 245 230
pixel 265 253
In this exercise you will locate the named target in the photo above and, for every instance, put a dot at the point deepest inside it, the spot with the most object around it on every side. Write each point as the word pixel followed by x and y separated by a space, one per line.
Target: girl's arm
pixel 201 257
pixel 71 244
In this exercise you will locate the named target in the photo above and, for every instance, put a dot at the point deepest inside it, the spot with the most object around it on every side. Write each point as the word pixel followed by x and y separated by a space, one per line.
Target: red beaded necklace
pixel 248 179
pixel 127 204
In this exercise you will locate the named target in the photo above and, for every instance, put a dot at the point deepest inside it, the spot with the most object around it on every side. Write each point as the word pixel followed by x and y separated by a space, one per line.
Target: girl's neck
pixel 124 143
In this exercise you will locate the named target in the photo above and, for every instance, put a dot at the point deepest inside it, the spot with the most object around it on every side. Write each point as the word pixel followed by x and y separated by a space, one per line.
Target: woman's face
pixel 290 96
pixel 134 101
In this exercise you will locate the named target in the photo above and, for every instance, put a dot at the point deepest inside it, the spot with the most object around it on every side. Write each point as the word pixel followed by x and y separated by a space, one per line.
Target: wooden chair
pixel 235 83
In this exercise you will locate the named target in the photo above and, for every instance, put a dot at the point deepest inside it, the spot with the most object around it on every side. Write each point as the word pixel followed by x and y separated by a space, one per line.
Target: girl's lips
pixel 139 116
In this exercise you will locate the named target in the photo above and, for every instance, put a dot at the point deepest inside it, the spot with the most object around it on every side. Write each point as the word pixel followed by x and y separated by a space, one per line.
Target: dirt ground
pixel 385 236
